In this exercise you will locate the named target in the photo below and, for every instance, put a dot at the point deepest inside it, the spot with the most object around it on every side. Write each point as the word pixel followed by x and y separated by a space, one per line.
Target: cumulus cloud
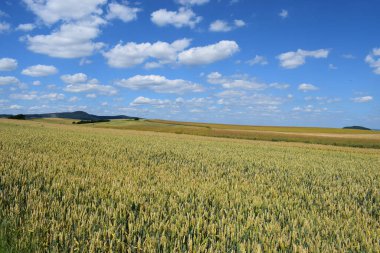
pixel 34 96
pixel 122 12
pixel 71 40
pixel 291 60
pixel 79 83
pixel 258 60
pixel 5 80
pixel 283 14
pixel 40 70
pixel 75 78
pixel 159 84
pixel 12 107
pixel 181 18
pixel 149 101
pixel 364 99
pixel 235 98
pixel 307 87
pixel 373 60
pixel 92 95
pixel 208 54
pixel 241 82
pixel 224 26
pixel 323 100
pixel 309 109
pixel 220 26
pixel 192 2
pixel 91 87
pixel 8 64
pixel 51 11
pixel 239 23
pixel 26 27
pixel 131 54
pixel 4 27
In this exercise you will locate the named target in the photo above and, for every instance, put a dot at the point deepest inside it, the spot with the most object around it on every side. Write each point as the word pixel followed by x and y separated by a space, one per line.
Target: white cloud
pixel 208 54
pixel 241 99
pixel 4 27
pixel 230 94
pixel 51 11
pixel 12 107
pixel 36 83
pixel 224 26
pixel 307 87
pixel 233 83
pixel 34 95
pixel 152 65
pixel 280 86
pixel 37 108
pixel 92 95
pixel 5 80
pixel 309 109
pixel 40 70
pixel 159 84
pixel 148 101
pixel 71 40
pixel 239 23
pixel 259 60
pixel 284 14
pixel 323 100
pixel 241 82
pixel 373 60
pixel 8 64
pixel 131 54
pixel 332 66
pixel 220 26
pixel 192 2
pixel 291 60
pixel 75 78
pixel 122 12
pixel 73 99
pixel 348 56
pixel 181 18
pixel 84 61
pixel 364 99
pixel 92 85
pixel 26 27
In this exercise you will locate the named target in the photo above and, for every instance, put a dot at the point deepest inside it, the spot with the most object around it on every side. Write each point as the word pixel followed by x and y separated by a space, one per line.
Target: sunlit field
pixel 71 188
pixel 328 136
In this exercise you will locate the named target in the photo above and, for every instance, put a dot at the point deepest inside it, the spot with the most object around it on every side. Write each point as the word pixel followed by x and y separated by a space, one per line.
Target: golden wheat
pixel 78 189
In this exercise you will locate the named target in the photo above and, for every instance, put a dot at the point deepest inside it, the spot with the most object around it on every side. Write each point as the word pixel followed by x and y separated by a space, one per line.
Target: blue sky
pixel 299 63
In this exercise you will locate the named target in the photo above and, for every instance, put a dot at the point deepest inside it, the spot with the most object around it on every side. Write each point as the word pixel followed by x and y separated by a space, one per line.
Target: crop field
pixel 327 136
pixel 71 188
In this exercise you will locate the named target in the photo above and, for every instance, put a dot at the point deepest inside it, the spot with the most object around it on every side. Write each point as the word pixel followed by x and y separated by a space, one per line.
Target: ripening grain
pixel 78 189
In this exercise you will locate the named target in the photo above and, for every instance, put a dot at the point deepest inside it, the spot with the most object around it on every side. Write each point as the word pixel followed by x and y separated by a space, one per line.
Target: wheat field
pixel 65 188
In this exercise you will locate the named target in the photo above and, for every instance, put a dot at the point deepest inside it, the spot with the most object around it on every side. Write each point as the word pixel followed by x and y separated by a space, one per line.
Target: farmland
pixel 71 188
pixel 327 136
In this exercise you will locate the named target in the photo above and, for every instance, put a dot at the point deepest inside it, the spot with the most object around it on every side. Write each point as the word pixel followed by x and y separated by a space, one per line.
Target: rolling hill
pixel 80 115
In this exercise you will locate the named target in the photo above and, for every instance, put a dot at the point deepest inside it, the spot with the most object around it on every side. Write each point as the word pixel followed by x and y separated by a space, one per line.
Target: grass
pixel 69 188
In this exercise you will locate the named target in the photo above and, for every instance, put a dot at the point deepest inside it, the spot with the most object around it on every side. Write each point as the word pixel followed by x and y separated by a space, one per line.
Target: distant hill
pixel 356 127
pixel 80 115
